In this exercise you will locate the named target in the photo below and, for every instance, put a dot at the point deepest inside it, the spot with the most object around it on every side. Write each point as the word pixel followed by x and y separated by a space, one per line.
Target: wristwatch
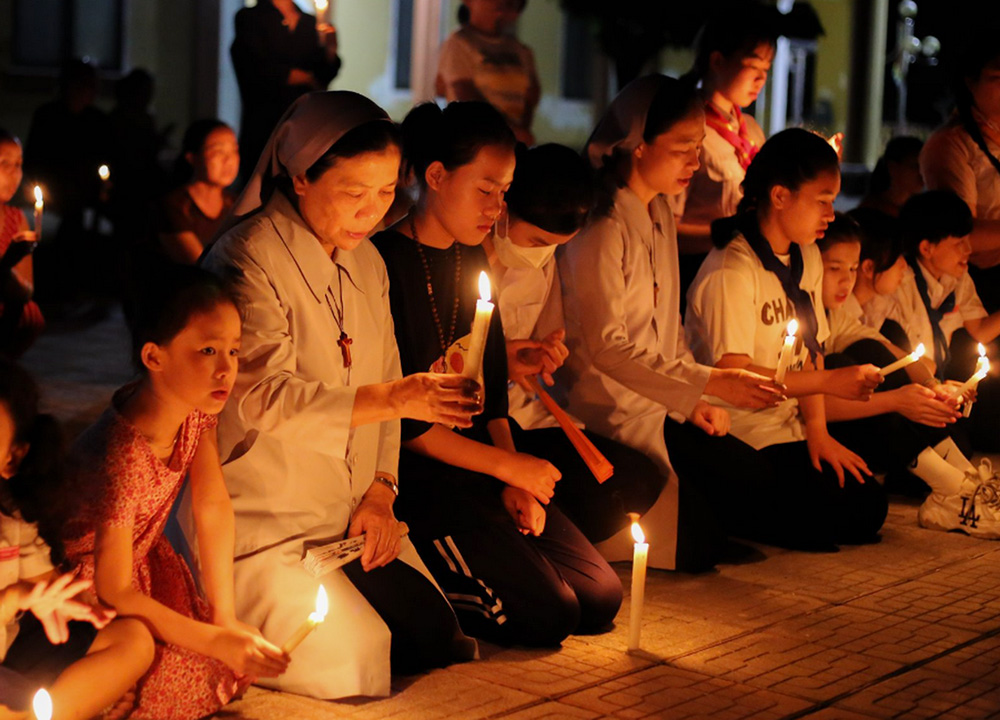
pixel 389 482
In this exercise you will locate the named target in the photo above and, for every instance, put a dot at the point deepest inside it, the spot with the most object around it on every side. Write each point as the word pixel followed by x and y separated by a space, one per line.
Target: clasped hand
pixel 526 358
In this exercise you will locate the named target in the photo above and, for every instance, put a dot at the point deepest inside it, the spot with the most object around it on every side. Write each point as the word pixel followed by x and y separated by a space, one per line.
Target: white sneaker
pixel 974 510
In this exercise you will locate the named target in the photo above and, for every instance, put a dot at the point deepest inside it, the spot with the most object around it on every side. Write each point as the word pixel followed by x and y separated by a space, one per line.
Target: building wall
pixel 833 59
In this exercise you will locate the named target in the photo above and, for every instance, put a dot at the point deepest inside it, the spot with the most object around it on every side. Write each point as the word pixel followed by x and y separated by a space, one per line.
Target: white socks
pixel 941 475
pixel 950 452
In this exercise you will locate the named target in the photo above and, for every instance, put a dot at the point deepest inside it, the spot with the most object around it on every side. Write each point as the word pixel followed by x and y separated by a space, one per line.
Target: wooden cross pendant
pixel 345 348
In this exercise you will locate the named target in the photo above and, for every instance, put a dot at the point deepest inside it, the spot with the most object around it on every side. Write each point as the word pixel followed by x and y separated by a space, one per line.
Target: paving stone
pixel 552 711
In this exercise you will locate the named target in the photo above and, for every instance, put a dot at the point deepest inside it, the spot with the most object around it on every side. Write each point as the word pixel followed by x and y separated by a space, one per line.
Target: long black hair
pixel 38 490
pixel 452 136
pixel 880 239
pixel 789 159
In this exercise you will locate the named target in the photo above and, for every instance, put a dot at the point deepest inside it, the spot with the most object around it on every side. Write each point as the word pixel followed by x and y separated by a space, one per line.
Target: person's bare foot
pixel 121 709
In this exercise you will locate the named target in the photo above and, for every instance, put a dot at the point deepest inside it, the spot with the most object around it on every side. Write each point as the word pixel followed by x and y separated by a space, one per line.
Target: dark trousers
pixel 599 510
pixel 425 632
pixel 506 587
pixel 774 495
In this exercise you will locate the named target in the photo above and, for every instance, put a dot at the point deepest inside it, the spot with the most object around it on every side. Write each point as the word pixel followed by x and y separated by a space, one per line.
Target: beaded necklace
pixel 445 342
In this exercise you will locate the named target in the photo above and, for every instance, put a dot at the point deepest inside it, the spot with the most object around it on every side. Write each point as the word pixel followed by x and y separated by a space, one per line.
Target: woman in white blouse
pixel 310 436
pixel 629 365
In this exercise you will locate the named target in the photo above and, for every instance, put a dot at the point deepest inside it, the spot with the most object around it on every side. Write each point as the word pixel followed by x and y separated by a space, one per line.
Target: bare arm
pixel 985 329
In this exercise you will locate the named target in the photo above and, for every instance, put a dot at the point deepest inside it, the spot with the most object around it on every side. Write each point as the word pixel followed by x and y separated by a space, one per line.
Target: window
pixel 577 65
pixel 49 32
pixel 403 44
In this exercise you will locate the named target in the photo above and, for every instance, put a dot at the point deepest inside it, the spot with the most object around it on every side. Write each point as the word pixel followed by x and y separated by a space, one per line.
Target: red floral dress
pixel 129 485
pixel 31 321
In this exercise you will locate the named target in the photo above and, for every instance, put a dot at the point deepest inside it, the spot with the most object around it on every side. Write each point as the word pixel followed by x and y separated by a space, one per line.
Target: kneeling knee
pixel 132 638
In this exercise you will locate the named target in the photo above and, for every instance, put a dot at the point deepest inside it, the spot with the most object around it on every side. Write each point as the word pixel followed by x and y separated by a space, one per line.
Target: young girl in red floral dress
pixel 132 463
pixel 20 319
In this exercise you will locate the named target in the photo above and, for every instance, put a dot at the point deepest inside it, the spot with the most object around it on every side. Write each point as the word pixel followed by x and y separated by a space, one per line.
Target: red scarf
pixel 744 147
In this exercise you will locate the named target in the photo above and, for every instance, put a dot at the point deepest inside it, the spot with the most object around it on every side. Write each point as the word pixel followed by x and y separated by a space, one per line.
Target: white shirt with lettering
pixel 736 307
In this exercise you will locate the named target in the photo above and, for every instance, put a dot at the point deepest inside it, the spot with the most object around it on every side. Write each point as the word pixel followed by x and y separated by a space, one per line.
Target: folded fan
pixel 326 558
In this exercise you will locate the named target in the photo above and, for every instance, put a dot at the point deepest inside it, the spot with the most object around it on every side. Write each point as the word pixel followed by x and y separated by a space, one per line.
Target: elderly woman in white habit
pixel 310 437
pixel 629 366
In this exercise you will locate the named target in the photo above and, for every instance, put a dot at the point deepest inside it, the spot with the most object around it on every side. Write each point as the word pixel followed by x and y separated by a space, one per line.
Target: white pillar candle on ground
pixel 903 361
pixel 41 705
pixel 480 328
pixel 39 205
pixel 787 348
pixel 315 618
pixel 639 555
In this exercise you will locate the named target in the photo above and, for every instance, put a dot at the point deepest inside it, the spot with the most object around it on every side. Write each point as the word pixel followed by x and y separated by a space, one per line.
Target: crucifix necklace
pixel 337 310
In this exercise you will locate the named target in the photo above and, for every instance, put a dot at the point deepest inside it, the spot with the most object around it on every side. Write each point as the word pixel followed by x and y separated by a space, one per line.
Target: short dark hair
pixel 168 299
pixel 843 229
pixel 6 136
pixel 452 136
pixel 933 216
pixel 897 149
pixel 880 239
pixel 552 188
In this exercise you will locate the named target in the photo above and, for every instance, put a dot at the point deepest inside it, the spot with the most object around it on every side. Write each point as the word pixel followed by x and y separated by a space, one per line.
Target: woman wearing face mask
pixel 310 437
pixel 515 568
pixel 548 202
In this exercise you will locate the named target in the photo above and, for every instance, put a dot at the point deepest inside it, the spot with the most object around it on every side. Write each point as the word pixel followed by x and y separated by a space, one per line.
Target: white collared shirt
pixel 951 160
pixel 908 308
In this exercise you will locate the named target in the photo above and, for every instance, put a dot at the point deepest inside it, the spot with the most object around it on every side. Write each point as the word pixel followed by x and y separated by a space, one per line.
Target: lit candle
pixel 480 326
pixel 321 8
pixel 639 555
pixel 903 361
pixel 39 206
pixel 104 172
pixel 982 369
pixel 315 618
pixel 785 359
pixel 42 705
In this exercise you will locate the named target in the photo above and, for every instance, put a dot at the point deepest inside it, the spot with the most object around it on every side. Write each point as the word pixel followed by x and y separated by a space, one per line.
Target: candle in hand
pixel 41 705
pixel 39 205
pixel 315 618
pixel 321 8
pixel 787 348
pixel 104 172
pixel 903 361
pixel 639 556
pixel 480 327
pixel 982 369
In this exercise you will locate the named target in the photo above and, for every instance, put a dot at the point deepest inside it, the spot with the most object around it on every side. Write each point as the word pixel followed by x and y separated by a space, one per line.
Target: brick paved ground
pixel 909 628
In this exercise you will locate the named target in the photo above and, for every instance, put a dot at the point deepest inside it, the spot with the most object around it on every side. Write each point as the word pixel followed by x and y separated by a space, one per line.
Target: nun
pixel 310 436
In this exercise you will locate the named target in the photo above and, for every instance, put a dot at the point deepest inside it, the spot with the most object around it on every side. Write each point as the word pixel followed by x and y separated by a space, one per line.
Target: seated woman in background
pixel 63 640
pixel 190 215
pixel 515 568
pixel 21 320
pixel 548 202
pixel 807 490
pixel 896 177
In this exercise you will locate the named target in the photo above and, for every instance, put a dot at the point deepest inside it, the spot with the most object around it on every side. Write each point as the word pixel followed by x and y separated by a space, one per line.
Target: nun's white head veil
pixel 624 121
pixel 310 127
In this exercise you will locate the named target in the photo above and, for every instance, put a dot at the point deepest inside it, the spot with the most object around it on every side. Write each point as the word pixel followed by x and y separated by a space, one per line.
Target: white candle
pixel 639 555
pixel 785 359
pixel 104 172
pixel 982 369
pixel 315 618
pixel 39 206
pixel 321 8
pixel 480 327
pixel 41 705
pixel 904 361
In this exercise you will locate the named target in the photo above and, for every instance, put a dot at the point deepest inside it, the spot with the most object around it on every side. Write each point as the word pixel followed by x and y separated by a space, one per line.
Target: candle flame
pixel 38 195
pixel 637 534
pixel 792 328
pixel 104 172
pixel 982 350
pixel 322 605
pixel 984 367
pixel 42 705
pixel 918 352
pixel 321 5
pixel 484 286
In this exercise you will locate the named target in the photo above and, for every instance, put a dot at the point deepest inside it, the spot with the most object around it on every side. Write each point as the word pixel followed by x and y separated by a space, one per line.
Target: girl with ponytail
pixel 629 365
pixel 66 641
pixel 516 569
pixel 766 270
pixel 964 155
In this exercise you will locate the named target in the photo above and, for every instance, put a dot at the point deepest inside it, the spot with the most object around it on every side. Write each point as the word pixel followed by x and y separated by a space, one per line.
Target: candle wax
pixel 639 556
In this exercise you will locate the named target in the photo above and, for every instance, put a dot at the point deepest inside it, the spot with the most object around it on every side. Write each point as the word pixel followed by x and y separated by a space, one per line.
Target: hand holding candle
pixel 982 370
pixel 480 328
pixel 315 618
pixel 41 705
pixel 787 348
pixel 903 361
pixel 39 206
pixel 638 598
